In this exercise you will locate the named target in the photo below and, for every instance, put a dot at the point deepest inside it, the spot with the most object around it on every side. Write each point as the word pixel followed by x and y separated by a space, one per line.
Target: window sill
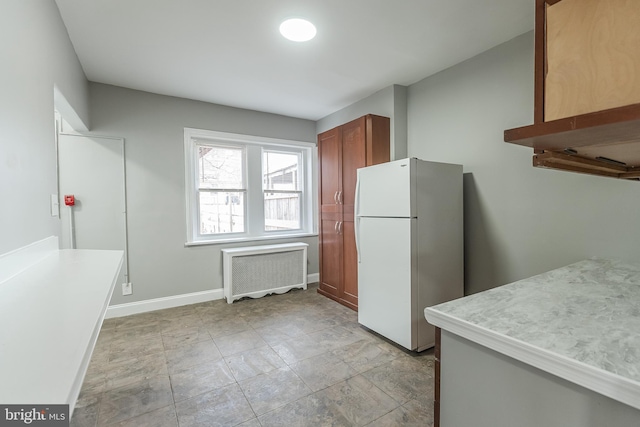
pixel 248 239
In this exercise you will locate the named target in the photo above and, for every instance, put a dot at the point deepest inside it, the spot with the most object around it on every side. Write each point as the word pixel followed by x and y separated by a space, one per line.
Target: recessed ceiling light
pixel 298 30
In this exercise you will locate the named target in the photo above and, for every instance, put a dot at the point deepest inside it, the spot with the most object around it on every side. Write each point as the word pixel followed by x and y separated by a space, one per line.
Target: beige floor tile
pixel 404 379
pixel 86 410
pixel 163 417
pixel 178 338
pixel 297 359
pixel 411 414
pixel 309 411
pixel 226 326
pixel 358 400
pixel 222 407
pixel 334 337
pixel 364 354
pixel 299 348
pixel 322 371
pixel 133 347
pixel 190 355
pixel 128 371
pixel 274 335
pixel 134 399
pixel 181 323
pixel 254 362
pixel 269 391
pixel 237 343
pixel 251 423
pixel 200 379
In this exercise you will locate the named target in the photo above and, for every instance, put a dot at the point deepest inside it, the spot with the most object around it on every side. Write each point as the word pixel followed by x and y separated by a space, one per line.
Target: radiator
pixel 257 271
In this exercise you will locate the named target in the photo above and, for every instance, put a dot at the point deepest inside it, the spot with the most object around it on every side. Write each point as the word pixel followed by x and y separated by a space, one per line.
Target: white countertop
pixel 50 317
pixel 580 322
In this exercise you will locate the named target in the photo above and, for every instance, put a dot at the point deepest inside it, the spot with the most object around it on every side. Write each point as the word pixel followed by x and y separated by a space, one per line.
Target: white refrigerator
pixel 409 238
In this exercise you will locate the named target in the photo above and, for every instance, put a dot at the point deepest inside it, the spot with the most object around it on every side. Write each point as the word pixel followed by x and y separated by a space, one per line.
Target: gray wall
pixel 389 102
pixel 498 391
pixel 153 128
pixel 36 55
pixel 519 220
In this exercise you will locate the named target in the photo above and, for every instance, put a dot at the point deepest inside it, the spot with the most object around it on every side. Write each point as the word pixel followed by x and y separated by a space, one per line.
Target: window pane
pixel 220 167
pixel 221 212
pixel 281 211
pixel 280 171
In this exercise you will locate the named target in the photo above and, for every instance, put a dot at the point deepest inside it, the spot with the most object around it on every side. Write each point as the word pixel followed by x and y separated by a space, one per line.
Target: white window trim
pixel 310 217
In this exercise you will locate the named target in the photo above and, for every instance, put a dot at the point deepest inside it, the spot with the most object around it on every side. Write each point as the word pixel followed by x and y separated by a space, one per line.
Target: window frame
pixel 254 148
pixel 199 191
pixel 300 191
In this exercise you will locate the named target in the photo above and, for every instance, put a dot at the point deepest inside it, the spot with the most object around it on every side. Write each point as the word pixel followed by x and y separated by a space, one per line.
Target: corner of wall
pixel 399 137
pixel 390 102
pixel 69 113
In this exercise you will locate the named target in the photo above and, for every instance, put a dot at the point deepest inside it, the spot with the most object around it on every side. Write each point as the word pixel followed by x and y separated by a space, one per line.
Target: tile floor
pixel 297 359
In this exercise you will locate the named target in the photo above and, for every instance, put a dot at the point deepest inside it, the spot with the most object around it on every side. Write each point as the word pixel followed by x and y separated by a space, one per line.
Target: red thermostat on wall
pixel 69 199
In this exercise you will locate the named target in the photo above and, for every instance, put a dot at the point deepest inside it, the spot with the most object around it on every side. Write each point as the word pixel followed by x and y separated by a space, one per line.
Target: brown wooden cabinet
pixel 587 89
pixel 341 151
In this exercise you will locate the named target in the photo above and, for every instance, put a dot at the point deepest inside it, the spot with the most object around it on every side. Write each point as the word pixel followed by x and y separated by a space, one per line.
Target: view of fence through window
pixel 282 190
pixel 221 189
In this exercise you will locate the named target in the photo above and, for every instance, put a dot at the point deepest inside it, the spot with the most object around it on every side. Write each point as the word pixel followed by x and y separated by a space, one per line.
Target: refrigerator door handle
pixel 356 207
pixel 356 211
pixel 356 230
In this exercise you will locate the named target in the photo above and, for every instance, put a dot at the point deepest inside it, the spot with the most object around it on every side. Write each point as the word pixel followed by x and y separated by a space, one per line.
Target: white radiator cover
pixel 256 271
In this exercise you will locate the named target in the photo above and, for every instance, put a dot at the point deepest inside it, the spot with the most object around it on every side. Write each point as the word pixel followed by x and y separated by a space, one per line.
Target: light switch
pixel 55 205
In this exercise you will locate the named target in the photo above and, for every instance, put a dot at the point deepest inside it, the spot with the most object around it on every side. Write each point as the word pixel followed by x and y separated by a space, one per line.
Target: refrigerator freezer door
pixel 386 190
pixel 385 271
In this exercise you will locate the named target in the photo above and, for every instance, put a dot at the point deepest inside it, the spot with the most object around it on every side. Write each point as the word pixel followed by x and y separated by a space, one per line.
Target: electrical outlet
pixel 127 289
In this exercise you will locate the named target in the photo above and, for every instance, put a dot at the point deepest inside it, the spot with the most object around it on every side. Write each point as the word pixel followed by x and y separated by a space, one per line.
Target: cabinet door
pixel 330 249
pixel 350 265
pixel 353 157
pixel 329 153
pixel 330 257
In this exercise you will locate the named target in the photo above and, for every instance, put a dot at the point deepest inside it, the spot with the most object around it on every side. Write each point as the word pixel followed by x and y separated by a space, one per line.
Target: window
pixel 281 186
pixel 242 187
pixel 221 189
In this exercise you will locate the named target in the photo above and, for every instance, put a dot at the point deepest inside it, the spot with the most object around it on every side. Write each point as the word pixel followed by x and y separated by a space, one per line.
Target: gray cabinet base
pixel 482 388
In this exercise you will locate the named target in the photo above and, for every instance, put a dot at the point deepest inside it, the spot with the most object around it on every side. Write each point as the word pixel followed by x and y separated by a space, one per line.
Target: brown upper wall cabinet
pixel 587 88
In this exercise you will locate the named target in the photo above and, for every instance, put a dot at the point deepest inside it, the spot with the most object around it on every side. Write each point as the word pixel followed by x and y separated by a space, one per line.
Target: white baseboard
pixel 138 307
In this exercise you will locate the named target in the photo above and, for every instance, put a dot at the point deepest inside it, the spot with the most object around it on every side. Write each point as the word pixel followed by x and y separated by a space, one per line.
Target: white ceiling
pixel 230 51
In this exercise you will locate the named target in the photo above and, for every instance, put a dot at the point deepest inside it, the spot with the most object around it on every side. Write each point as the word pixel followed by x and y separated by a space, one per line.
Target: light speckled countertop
pixel 580 322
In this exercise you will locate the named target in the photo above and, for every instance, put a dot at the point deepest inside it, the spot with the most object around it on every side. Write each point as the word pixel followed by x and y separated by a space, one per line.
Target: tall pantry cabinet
pixel 341 151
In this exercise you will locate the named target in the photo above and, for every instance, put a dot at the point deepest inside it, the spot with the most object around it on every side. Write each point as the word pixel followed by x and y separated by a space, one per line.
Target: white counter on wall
pixel 580 323
pixel 51 311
